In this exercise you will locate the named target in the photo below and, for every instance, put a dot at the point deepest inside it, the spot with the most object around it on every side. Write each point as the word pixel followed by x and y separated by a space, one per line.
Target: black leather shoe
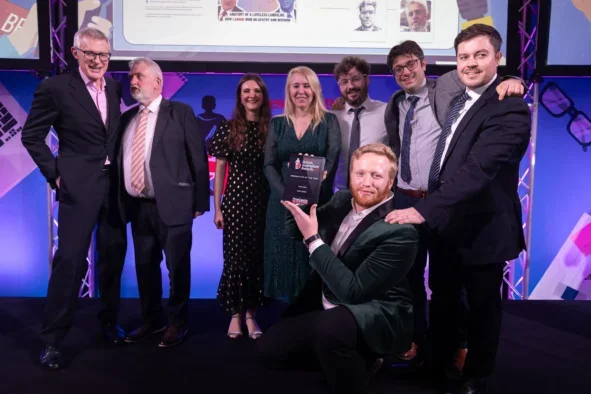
pixel 473 386
pixel 113 334
pixel 144 332
pixel 51 358
pixel 173 336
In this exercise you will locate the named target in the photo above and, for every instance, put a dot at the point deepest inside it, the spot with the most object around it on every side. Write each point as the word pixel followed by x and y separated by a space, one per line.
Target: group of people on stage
pixel 435 170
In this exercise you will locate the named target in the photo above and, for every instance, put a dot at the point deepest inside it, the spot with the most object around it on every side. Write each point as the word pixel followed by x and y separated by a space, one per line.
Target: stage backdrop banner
pixel 24 237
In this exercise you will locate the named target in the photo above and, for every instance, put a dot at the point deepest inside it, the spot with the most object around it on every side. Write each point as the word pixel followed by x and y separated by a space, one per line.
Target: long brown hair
pixel 238 123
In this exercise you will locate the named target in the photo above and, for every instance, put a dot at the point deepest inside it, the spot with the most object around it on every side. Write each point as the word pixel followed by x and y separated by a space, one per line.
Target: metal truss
pixel 58 58
pixel 517 271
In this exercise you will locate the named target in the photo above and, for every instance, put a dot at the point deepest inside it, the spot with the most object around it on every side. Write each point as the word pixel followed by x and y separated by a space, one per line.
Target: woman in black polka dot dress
pixel 239 144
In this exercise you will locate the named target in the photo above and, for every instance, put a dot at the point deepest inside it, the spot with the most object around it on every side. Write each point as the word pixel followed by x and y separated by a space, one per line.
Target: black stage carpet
pixel 545 348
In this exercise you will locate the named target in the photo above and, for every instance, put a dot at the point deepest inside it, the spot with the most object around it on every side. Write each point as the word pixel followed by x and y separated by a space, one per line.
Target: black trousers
pixel 448 274
pixel 151 236
pixel 328 338
pixel 416 275
pixel 77 221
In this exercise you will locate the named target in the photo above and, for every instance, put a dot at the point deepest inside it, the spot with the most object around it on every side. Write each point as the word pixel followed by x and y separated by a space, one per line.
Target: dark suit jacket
pixel 85 142
pixel 367 276
pixel 476 206
pixel 235 9
pixel 178 164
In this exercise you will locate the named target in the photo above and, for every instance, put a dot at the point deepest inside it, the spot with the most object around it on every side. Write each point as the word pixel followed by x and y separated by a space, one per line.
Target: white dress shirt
pixel 372 130
pixel 148 191
pixel 474 96
pixel 348 224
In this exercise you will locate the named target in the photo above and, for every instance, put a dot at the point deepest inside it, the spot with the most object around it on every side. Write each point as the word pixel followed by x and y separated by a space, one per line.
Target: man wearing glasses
pixel 413 120
pixel 83 108
pixel 361 119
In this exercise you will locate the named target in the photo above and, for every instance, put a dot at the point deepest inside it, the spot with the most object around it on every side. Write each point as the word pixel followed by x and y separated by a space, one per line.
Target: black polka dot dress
pixel 243 208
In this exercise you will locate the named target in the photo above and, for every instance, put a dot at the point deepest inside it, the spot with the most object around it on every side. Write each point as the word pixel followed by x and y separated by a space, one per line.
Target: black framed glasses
pixel 410 65
pixel 89 55
pixel 558 104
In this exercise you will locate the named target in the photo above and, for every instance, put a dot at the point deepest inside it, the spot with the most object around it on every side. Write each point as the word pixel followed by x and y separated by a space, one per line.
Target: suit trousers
pixel 448 274
pixel 151 236
pixel 77 221
pixel 329 339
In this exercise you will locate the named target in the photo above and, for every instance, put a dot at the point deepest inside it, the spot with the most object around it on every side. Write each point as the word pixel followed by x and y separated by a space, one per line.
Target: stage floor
pixel 545 348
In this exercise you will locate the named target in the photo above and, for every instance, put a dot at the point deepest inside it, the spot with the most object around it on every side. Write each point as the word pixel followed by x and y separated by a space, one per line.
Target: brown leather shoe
pixel 409 355
pixel 173 336
pixel 460 359
pixel 144 332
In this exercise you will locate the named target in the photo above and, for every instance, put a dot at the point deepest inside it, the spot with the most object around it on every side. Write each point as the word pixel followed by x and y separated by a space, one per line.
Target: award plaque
pixel 302 186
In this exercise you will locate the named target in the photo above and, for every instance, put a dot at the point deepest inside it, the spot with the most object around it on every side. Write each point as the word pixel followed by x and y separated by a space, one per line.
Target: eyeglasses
pixel 89 55
pixel 558 104
pixel 410 65
pixel 354 80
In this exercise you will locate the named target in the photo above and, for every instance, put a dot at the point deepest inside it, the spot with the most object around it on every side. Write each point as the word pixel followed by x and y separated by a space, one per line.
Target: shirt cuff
pixel 315 245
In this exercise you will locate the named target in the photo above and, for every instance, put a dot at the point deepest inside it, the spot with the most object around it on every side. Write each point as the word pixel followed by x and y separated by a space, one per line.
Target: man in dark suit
pixel 83 108
pixel 413 118
pixel 164 185
pixel 356 305
pixel 473 205
pixel 287 7
pixel 227 6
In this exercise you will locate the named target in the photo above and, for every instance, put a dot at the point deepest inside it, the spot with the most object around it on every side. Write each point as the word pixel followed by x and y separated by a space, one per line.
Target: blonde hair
pixel 380 150
pixel 317 108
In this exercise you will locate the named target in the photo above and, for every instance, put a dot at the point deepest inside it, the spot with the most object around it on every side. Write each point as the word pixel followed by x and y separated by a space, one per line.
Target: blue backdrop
pixel 561 192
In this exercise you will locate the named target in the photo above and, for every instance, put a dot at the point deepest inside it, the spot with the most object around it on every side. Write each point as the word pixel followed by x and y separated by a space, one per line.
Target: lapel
pixel 113 104
pixel 336 219
pixel 161 122
pixel 377 214
pixel 488 93
pixel 431 96
pixel 125 120
pixel 80 93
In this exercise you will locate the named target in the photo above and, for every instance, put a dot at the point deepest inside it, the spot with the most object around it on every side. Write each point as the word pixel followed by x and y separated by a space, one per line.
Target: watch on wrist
pixel 309 241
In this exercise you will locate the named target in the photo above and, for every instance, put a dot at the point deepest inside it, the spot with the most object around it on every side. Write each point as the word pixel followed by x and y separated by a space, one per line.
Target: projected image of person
pixel 208 120
pixel 416 16
pixel 227 6
pixel 240 144
pixel 304 127
pixel 287 7
pixel 367 13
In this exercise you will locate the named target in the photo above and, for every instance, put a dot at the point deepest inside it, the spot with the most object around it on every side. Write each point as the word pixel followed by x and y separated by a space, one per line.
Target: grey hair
pixel 421 2
pixel 89 33
pixel 367 3
pixel 150 63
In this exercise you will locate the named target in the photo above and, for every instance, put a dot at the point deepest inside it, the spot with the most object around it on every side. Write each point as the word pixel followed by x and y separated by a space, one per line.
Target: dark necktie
pixel 223 15
pixel 405 173
pixel 453 114
pixel 355 139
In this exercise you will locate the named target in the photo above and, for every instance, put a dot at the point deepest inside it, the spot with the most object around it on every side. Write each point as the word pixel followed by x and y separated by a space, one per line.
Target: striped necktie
pixel 436 165
pixel 138 153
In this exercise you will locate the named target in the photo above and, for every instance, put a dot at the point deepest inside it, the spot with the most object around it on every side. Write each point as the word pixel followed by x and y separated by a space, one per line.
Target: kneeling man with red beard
pixel 356 306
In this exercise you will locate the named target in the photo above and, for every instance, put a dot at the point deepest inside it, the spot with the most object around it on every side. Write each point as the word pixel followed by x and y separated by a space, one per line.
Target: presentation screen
pixel 287 31
pixel 19 29
pixel 570 33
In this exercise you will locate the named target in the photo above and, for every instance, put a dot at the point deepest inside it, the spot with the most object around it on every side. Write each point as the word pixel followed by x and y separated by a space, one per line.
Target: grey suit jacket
pixel 442 91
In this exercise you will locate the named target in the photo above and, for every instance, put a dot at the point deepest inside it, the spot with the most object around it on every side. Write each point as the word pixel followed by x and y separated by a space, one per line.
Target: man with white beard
pixel 164 186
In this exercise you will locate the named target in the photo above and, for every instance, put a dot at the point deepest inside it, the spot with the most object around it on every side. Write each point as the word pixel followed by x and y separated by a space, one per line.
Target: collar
pixel 88 82
pixel 422 93
pixel 153 106
pixel 477 92
pixel 367 211
pixel 368 104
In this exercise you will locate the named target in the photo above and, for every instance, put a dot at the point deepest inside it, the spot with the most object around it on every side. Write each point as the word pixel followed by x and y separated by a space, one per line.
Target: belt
pixel 414 193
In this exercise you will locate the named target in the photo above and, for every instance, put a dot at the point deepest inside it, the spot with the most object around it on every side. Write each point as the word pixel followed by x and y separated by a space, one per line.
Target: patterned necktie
pixel 405 173
pixel 355 139
pixel 453 114
pixel 138 153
